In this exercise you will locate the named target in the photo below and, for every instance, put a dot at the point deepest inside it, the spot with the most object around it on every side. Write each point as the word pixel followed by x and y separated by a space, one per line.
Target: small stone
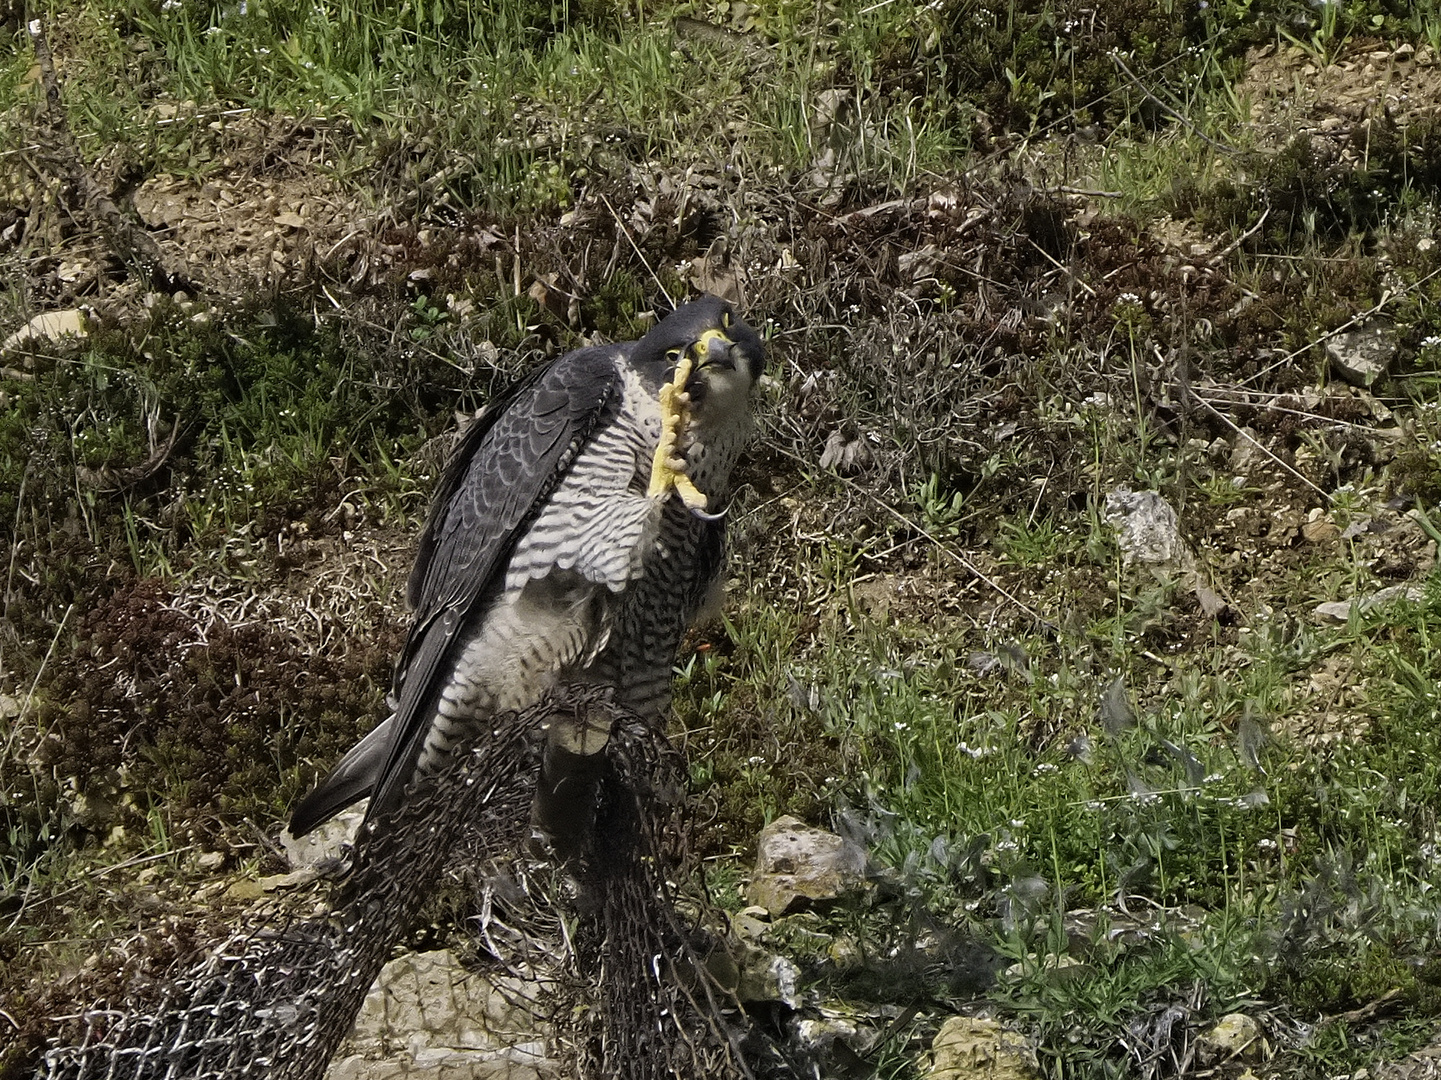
pixel 1285 523
pixel 1147 529
pixel 846 954
pixel 970 1048
pixel 92 811
pixel 1320 531
pixel 751 924
pixel 1333 611
pixel 1247 455
pixel 768 978
pixel 1046 965
pixel 244 889
pixel 210 861
pixel 51 326
pixel 836 1043
pixel 799 867
pixel 1339 611
pixel 1236 1037
pixel 1361 357
pixel 324 843
pixel 292 880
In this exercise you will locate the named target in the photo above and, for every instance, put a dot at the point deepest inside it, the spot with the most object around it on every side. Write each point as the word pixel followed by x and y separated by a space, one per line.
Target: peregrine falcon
pixel 574 536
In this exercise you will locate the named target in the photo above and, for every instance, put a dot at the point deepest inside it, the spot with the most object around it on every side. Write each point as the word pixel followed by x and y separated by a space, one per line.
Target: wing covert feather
pixel 506 466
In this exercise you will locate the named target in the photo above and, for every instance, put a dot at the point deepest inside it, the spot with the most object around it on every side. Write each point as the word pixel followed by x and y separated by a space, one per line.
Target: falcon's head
pixel 726 355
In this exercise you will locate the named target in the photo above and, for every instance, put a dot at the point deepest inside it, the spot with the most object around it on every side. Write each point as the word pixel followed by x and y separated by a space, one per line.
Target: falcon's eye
pixel 673 354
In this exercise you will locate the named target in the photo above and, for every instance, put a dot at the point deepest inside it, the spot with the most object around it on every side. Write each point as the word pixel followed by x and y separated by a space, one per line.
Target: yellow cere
pixel 664 474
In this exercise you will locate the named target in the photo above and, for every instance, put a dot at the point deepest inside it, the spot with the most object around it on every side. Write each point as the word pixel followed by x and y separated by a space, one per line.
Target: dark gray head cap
pixel 687 324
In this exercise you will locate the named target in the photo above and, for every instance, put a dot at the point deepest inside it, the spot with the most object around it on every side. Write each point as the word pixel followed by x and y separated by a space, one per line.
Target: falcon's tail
pixel 352 779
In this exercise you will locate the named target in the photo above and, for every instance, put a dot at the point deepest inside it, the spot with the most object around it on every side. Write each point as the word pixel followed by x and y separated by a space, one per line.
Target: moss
pixel 1337 980
pixel 1310 189
pixel 1037 63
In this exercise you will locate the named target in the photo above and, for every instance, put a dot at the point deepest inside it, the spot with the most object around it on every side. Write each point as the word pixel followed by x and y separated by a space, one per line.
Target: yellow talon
pixel 667 470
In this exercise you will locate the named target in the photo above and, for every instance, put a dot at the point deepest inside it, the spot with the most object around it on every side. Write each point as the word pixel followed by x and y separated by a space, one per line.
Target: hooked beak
pixel 713 349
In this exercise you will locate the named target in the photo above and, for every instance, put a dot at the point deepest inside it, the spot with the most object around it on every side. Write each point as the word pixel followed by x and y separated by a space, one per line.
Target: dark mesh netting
pixel 651 945
pixel 621 959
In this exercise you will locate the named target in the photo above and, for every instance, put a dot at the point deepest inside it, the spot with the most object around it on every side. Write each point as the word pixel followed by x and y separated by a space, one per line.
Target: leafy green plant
pixel 941 511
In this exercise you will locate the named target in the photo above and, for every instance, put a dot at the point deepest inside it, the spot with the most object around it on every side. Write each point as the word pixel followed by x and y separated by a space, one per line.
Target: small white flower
pixel 170 5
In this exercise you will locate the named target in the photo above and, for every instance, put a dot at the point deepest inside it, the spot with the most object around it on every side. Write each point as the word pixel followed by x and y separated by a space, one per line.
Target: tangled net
pixel 627 989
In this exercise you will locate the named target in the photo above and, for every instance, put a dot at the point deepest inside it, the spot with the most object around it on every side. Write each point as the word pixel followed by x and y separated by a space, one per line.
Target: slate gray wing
pixel 507 464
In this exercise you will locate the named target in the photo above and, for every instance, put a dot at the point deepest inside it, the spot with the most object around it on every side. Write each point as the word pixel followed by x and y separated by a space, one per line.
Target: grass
pixel 1137 806
pixel 1011 802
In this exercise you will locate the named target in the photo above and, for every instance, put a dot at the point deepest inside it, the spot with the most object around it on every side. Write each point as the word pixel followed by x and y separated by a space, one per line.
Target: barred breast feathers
pixel 599 523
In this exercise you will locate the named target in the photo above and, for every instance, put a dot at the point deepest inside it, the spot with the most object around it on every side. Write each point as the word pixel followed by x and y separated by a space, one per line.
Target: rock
pixel 210 861
pixel 1340 610
pixel 798 867
pixel 1147 529
pixel 293 880
pixel 92 810
pixel 326 842
pixel 1319 529
pixel 426 1016
pixel 767 978
pixel 244 890
pixel 1362 356
pixel 49 326
pixel 751 924
pixel 1247 455
pixel 816 1034
pixel 969 1048
pixel 836 1043
pixel 1285 522
pixel 1054 967
pixel 846 954
pixel 1236 1037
